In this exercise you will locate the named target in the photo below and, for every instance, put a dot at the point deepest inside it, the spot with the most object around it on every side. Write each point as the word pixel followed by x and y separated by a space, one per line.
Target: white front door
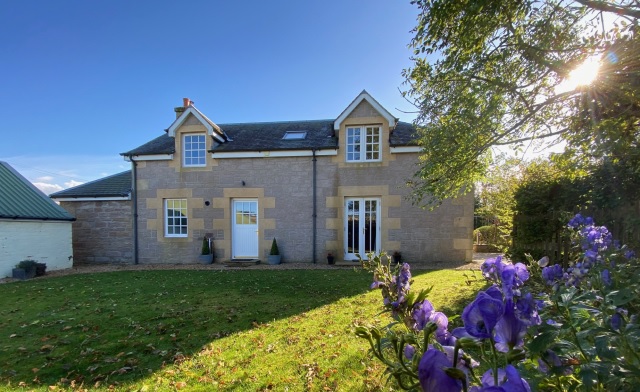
pixel 245 229
pixel 361 226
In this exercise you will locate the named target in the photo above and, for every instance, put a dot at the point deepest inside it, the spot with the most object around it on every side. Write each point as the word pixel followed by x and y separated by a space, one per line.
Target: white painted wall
pixel 43 241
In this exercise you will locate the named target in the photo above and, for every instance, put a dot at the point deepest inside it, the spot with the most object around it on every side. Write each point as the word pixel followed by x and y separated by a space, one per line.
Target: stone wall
pixel 283 189
pixel 102 232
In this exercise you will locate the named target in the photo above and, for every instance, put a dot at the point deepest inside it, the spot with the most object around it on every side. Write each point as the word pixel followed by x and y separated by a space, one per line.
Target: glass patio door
pixel 362 227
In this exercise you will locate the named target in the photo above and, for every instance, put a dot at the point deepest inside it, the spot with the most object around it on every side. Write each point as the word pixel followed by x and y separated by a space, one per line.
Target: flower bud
pixel 467 342
pixel 543 262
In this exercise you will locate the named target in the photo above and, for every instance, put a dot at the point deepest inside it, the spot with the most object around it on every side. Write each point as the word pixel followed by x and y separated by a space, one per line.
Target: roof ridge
pixel 277 122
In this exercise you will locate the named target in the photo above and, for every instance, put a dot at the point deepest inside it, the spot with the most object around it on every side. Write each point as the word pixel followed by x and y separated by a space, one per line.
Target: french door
pixel 245 229
pixel 361 226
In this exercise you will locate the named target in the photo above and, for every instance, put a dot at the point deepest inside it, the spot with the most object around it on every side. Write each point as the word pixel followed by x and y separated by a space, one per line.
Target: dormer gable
pixel 212 128
pixel 357 104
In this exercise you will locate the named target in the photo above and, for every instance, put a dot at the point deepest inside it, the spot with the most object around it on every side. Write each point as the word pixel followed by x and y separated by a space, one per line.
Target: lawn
pixel 229 330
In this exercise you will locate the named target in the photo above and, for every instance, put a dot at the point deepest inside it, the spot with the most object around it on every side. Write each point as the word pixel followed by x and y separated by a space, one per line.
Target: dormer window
pixel 294 135
pixel 363 143
pixel 194 150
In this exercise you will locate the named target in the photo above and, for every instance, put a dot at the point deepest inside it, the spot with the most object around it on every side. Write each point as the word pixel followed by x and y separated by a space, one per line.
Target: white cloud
pixel 72 183
pixel 48 188
pixel 54 173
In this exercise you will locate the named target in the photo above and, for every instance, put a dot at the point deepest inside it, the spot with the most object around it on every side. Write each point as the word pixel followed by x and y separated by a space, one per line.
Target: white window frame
pixel 200 148
pixel 363 144
pixel 170 204
pixel 295 135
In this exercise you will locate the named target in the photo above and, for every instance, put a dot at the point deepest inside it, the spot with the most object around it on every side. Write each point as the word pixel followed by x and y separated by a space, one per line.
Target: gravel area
pixel 478 258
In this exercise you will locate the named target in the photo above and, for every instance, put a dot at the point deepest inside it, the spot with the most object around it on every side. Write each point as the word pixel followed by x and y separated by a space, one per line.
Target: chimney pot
pixel 186 102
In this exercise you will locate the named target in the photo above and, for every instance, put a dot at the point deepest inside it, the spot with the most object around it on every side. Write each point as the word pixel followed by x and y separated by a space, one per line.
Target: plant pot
pixel 397 259
pixel 19 273
pixel 41 269
pixel 331 259
pixel 205 259
pixel 274 259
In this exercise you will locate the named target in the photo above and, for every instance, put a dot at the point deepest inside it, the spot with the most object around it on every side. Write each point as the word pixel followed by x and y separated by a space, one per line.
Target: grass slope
pixel 247 330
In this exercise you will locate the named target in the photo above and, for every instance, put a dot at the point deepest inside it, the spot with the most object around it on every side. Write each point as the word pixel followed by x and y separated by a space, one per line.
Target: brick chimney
pixel 186 102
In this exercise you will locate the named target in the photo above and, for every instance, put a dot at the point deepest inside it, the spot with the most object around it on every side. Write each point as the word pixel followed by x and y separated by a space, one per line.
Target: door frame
pixel 235 235
pixel 361 218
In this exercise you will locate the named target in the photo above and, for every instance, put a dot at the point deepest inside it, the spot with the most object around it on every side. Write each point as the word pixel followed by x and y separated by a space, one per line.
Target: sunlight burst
pixel 583 75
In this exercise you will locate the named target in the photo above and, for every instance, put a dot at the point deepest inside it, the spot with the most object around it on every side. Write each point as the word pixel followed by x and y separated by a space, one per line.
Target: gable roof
pixel 212 128
pixel 117 186
pixel 20 199
pixel 365 96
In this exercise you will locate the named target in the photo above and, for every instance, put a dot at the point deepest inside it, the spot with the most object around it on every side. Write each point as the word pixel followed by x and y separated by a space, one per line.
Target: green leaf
pixel 542 341
pixel 620 297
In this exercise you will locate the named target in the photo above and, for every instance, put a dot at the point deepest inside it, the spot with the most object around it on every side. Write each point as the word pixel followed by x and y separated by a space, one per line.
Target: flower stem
pixel 494 354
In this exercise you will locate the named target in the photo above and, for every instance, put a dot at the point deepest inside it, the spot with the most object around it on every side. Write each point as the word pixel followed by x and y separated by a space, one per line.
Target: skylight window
pixel 295 135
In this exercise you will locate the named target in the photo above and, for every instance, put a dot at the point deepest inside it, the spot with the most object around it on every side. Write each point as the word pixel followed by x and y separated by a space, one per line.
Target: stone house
pixel 32 226
pixel 335 185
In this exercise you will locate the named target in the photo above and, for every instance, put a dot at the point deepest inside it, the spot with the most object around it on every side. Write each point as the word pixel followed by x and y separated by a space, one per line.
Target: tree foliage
pixel 487 73
pixel 496 196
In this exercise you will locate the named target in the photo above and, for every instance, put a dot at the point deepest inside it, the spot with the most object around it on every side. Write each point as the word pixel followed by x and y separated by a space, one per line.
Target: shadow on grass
pixel 120 327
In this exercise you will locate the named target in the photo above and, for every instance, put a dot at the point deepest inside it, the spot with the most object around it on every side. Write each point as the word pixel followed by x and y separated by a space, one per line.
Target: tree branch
pixel 607 7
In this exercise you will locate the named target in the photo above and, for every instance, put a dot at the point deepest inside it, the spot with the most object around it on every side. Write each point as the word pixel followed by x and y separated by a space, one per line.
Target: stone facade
pixel 279 181
pixel 102 232
pixel 283 189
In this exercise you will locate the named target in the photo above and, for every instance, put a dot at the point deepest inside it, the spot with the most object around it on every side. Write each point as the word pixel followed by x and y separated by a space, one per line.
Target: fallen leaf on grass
pixel 180 385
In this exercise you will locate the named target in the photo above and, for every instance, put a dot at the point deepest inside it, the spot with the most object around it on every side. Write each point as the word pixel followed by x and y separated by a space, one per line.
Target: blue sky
pixel 84 81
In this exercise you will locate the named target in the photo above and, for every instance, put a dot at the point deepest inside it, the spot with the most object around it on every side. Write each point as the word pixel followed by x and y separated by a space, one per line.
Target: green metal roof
pixel 20 199
pixel 117 186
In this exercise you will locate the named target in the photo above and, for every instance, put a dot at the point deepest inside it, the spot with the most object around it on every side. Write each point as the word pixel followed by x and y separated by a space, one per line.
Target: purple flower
pixel 522 274
pixel 576 221
pixel 616 321
pixel 409 351
pixel 629 254
pixel 606 277
pixel 509 330
pixel 481 315
pixel 527 309
pixel 508 275
pixel 422 314
pixel 376 284
pixel 492 268
pixel 509 380
pixel 552 274
pixel 431 373
pixel 543 262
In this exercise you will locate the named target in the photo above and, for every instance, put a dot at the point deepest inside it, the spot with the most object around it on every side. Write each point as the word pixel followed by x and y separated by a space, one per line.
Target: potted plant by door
pixel 205 254
pixel 274 255
pixel 397 257
pixel 330 258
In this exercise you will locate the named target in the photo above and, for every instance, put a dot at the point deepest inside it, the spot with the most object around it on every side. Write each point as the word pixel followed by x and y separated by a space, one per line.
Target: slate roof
pixel 117 185
pixel 267 136
pixel 20 199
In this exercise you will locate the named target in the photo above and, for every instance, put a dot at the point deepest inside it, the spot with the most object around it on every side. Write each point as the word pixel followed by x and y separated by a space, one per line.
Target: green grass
pixel 241 330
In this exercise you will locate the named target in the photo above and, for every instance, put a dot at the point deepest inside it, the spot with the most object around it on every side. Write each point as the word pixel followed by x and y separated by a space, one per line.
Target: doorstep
pixel 347 263
pixel 241 262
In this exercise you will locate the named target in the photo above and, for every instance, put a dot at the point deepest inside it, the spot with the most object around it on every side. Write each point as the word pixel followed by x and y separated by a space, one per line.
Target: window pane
pixel 194 150
pixel 176 220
